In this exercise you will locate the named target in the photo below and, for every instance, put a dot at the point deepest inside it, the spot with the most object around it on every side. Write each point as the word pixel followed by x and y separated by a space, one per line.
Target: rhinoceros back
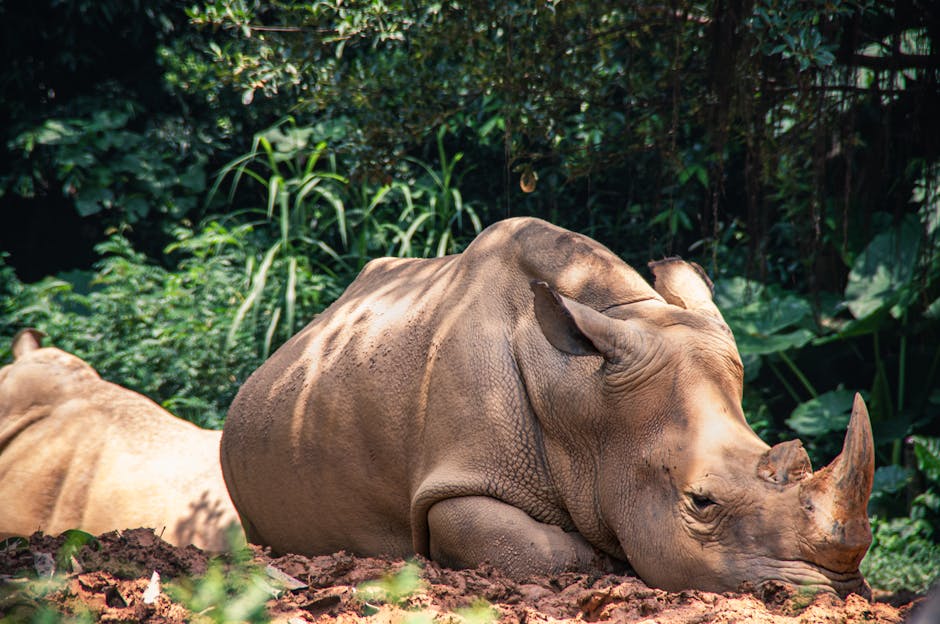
pixel 79 452
pixel 406 391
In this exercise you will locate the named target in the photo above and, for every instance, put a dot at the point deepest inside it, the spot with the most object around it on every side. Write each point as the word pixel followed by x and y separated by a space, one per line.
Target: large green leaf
pixel 771 314
pixel 782 312
pixel 87 207
pixel 933 310
pixel 733 292
pixel 764 320
pixel 826 413
pixel 890 479
pixel 881 273
pixel 762 344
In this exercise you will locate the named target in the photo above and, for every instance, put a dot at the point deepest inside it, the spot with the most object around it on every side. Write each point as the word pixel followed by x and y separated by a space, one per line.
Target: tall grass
pixel 314 225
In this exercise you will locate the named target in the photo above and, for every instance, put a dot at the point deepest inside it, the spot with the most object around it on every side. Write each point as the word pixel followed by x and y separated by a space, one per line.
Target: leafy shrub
pixel 903 556
pixel 239 286
pixel 905 550
pixel 316 232
pixel 229 591
pixel 401 586
pixel 393 588
pixel 164 333
pixel 101 161
pixel 26 599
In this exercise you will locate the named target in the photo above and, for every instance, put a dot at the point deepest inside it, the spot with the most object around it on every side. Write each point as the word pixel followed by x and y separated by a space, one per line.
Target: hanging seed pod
pixel 528 180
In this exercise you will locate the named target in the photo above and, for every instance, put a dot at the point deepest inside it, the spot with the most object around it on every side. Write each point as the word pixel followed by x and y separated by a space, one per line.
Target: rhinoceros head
pixel 682 486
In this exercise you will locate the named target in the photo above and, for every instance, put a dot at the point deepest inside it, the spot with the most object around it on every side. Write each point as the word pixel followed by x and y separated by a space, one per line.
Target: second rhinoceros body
pixel 534 403
pixel 79 452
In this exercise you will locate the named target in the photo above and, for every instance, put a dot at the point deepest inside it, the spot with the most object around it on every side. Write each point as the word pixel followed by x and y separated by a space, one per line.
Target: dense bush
pixel 154 330
pixel 185 329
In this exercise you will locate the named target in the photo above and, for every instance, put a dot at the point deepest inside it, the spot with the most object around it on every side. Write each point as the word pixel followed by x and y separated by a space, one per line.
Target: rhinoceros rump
pixel 535 404
pixel 77 452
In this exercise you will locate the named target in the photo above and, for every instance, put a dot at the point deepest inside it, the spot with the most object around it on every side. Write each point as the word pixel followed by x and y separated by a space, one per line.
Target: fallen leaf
pixel 44 563
pixel 153 589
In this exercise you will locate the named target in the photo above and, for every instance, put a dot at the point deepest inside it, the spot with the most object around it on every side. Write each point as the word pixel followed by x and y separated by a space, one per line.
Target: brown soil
pixel 109 580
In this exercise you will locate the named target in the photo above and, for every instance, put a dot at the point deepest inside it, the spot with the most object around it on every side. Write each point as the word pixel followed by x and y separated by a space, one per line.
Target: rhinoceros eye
pixel 702 502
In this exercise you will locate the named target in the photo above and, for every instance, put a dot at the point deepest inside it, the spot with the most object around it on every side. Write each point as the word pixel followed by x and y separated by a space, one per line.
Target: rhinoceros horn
pixel 836 498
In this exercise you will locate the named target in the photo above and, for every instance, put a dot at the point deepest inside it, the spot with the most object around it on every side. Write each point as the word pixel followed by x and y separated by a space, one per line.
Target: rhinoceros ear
pixel 27 340
pixel 572 327
pixel 684 284
pixel 785 463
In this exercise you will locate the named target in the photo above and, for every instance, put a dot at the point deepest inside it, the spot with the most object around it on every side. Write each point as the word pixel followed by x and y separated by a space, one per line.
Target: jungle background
pixel 184 185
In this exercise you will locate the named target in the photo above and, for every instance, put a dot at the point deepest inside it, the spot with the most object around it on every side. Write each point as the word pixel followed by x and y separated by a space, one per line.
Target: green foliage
pixel 905 550
pixel 297 194
pixel 74 541
pixel 479 612
pixel 101 163
pixel 882 276
pixel 394 587
pixel 319 233
pixel 434 212
pixel 821 422
pixel 30 608
pixel 234 591
pixel 118 320
pixel 797 30
pixel 890 279
pixel 765 320
pixel 927 451
pixel 24 598
pixel 824 414
pixel 903 555
pixel 85 126
pixel 400 587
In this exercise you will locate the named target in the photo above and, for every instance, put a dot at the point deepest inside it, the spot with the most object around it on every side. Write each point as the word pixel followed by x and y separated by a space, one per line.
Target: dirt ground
pixel 112 580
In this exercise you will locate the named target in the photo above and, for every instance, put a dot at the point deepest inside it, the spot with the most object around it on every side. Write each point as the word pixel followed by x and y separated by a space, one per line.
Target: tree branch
pixel 895 61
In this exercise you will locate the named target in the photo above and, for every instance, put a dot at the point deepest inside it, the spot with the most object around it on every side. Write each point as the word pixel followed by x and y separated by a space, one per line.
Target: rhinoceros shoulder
pixel 41 382
pixel 573 264
pixel 41 376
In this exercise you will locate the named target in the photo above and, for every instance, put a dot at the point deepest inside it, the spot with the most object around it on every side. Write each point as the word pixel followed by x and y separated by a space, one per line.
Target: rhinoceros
pixel 78 452
pixel 533 403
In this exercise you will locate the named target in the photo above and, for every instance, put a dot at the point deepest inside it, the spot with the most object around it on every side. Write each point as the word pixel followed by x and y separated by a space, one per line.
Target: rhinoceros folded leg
pixel 471 530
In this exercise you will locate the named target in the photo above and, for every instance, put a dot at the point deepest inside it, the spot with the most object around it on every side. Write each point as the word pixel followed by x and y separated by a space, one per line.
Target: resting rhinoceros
pixel 530 403
pixel 78 452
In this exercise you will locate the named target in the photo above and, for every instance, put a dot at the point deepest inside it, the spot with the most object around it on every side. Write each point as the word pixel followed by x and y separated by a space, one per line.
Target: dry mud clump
pixel 112 579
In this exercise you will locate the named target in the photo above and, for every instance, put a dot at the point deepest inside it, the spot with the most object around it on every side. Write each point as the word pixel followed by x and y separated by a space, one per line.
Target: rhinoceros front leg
pixel 470 530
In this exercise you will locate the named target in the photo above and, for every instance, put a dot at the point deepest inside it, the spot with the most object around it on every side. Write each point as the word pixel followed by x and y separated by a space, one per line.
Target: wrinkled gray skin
pixel 535 404
pixel 78 452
